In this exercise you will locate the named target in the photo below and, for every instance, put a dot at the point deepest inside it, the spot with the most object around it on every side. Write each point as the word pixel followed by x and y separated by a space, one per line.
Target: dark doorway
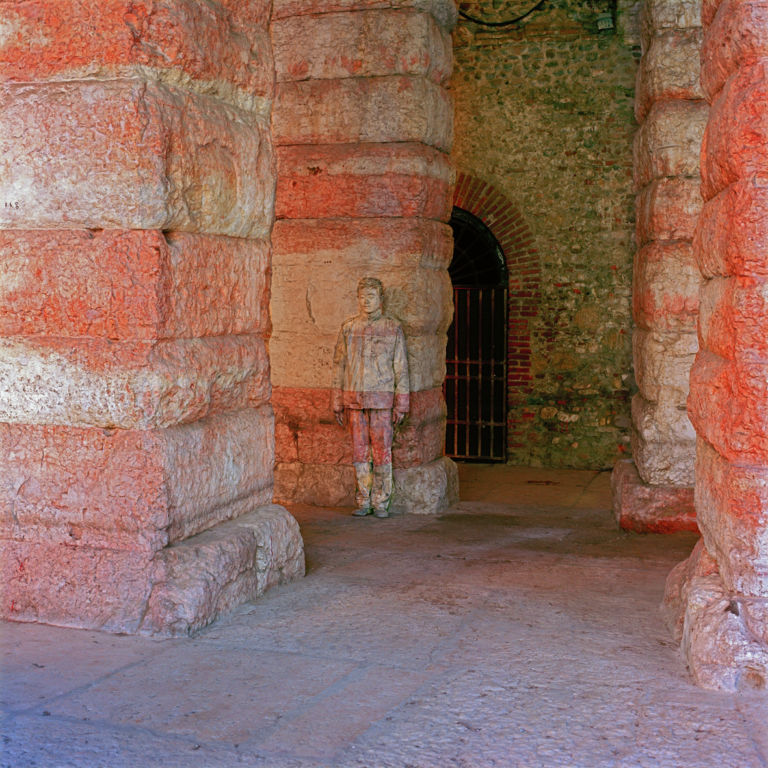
pixel 476 355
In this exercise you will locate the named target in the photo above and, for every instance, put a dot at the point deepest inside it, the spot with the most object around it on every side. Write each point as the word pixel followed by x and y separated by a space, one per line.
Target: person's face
pixel 369 300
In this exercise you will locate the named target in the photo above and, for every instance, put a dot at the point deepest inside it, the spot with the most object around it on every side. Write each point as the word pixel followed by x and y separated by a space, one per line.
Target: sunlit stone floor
pixel 518 629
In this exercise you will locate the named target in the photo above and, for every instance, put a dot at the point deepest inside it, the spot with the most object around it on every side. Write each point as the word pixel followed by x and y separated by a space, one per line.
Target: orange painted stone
pixel 737 37
pixel 669 141
pixel 129 385
pixel 374 43
pixel 147 157
pixel 669 69
pixel 737 133
pixel 196 40
pixel 668 209
pixel 443 10
pixel 665 291
pixel 363 109
pixel 708 10
pixel 148 285
pixel 726 405
pixel 732 234
pixel 325 485
pixel 376 180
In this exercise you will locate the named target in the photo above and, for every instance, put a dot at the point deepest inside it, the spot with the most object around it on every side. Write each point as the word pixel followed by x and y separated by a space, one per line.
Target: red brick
pixel 147 286
pixel 373 180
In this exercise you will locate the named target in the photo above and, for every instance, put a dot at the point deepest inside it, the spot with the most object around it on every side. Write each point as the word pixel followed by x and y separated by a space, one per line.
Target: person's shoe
pixel 362 512
pixel 381 513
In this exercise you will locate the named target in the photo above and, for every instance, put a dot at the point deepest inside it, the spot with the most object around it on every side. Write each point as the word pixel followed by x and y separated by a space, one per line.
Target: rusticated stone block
pixel 668 209
pixel 147 157
pixel 87 587
pixel 665 422
pixel 363 44
pixel 731 502
pixel 754 613
pixel 737 36
pixel 645 508
pixel 421 299
pixel 669 69
pixel 664 464
pixel 187 40
pixel 737 132
pixel 376 180
pixel 732 234
pixel 426 490
pixel 669 141
pixel 708 10
pixel 662 15
pixel 665 293
pixel 208 574
pixel 317 484
pixel 147 285
pixel 360 109
pixel 662 364
pixel 385 243
pixel 726 406
pixel 129 385
pixel 128 489
pixel 734 318
pixel 444 11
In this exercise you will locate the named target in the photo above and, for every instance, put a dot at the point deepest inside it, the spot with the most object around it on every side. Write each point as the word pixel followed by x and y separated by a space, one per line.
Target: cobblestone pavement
pixel 518 629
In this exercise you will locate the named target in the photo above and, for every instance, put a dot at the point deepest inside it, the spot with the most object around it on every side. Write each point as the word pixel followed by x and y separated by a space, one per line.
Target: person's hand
pixel 339 417
pixel 398 416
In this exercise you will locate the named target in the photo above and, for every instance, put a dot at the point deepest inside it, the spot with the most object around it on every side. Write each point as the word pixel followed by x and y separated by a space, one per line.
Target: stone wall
pixel 136 202
pixel 544 115
pixel 362 123
pixel 717 601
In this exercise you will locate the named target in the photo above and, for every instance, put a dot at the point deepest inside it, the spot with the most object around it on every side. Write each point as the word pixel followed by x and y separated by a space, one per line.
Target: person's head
pixel 370 294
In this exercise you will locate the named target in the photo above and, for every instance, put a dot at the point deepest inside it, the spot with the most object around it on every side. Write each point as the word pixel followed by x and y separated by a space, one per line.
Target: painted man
pixel 370 383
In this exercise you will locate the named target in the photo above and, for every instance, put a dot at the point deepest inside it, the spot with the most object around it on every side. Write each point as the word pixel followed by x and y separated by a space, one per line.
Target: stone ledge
pixel 646 508
pixel 208 574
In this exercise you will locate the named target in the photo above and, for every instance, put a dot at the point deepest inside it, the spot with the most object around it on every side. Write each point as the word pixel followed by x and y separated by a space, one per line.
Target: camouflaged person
pixel 370 383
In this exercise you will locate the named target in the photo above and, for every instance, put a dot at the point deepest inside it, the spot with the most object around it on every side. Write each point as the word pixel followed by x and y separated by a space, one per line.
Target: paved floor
pixel 519 629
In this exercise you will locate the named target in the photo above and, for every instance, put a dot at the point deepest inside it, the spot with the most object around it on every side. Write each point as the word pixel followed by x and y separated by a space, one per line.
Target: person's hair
pixel 371 282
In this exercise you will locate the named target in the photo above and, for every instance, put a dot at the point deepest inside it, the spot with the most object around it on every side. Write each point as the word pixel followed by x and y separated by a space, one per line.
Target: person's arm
pixel 402 381
pixel 337 386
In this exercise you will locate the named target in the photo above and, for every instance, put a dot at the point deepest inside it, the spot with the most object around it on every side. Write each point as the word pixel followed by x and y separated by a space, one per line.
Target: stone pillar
pixel 717 601
pixel 363 125
pixel 654 491
pixel 136 204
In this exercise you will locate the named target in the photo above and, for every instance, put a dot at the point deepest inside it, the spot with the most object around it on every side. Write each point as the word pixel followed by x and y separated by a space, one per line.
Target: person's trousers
pixel 372 456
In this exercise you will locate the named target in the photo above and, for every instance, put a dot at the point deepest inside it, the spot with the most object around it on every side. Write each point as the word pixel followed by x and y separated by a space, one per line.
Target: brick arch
pixel 506 222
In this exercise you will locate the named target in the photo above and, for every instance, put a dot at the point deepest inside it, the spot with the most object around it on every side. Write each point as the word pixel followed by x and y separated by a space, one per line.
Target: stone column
pixel 717 601
pixel 654 491
pixel 363 125
pixel 136 204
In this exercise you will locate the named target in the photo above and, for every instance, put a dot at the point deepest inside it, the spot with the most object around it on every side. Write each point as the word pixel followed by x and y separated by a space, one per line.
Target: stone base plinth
pixel 711 625
pixel 647 508
pixel 427 489
pixel 231 563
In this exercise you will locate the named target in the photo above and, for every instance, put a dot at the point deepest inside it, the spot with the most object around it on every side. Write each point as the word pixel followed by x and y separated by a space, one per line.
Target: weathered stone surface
pixel 360 109
pixel 708 10
pixel 731 502
pixel 129 385
pixel 443 10
pixel 663 361
pixel 734 318
pixel 669 69
pixel 665 292
pixel 662 422
pixel 669 141
pixel 331 485
pixel 737 36
pixel 662 15
pixel 200 578
pixel 726 406
pixel 88 587
pixel 364 44
pixel 370 180
pixel 185 41
pixel 754 612
pixel 148 285
pixel 668 209
pixel 732 233
pixel 149 157
pixel 645 508
pixel 737 133
pixel 667 463
pixel 129 489
pixel 426 490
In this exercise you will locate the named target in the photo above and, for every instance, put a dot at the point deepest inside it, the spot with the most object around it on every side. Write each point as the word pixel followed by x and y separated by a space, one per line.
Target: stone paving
pixel 519 629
